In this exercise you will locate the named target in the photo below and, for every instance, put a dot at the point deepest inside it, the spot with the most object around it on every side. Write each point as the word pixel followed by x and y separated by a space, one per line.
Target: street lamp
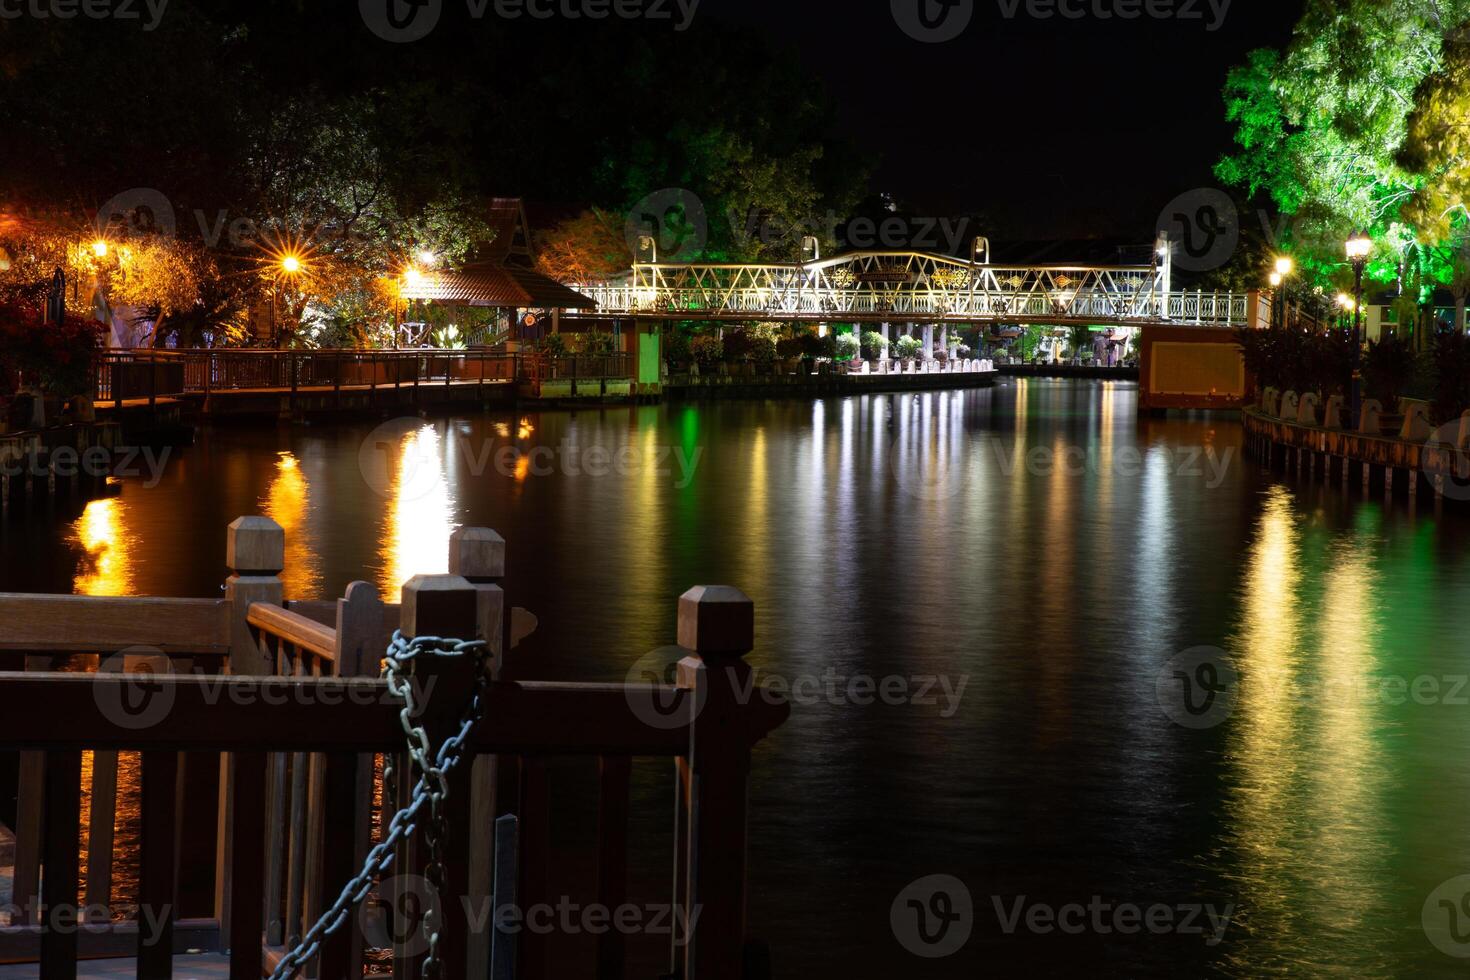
pixel 1275 278
pixel 1284 267
pixel 1358 247
pixel 99 249
pixel 290 265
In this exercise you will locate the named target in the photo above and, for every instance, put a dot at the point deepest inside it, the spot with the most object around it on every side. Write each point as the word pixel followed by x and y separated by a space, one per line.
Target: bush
pixel 677 347
pixel 57 357
pixel 1451 376
pixel 553 343
pixel 707 350
pixel 909 347
pixel 941 355
pixel 848 347
pixel 963 353
pixel 593 343
pixel 875 345
pixel 791 347
pixel 1388 367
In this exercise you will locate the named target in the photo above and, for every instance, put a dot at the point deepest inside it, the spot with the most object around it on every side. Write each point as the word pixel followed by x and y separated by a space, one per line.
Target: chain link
pixel 431 789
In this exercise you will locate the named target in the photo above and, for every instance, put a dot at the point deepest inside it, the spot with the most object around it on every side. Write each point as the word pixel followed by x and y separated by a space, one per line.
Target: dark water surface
pixel 1030 559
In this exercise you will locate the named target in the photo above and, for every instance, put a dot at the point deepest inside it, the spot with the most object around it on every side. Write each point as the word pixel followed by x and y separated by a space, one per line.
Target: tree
pixel 587 248
pixel 1327 128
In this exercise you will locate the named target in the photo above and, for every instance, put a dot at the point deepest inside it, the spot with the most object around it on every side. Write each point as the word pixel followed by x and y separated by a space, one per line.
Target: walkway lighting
pixel 1285 266
pixel 290 265
pixel 99 249
pixel 1275 279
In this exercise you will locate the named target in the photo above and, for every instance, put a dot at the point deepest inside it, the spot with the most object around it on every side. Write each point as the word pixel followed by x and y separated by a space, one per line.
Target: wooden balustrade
pixel 290 694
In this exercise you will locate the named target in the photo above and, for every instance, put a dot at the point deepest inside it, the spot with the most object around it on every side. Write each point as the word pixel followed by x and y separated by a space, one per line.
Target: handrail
pixel 295 629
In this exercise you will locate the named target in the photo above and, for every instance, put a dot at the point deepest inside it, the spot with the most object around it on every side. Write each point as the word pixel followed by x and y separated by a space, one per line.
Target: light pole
pixel 1358 247
pixel 1275 298
pixel 290 266
pixel 1284 268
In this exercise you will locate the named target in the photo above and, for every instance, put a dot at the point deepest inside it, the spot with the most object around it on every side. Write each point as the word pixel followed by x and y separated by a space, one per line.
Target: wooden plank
pixel 106 940
pixel 614 780
pixel 507 873
pixel 61 851
pixel 339 862
pixel 535 837
pixel 98 624
pixel 29 828
pixel 206 713
pixel 295 629
pixel 247 858
pixel 103 817
pixel 158 870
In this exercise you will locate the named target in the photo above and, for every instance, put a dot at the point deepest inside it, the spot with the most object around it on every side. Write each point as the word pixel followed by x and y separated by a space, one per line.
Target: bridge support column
pixel 886 339
pixel 928 341
pixel 944 339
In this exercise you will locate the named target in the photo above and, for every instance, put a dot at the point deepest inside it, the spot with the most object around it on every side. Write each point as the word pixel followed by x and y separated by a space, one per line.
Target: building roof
pixel 510 240
pixel 493 284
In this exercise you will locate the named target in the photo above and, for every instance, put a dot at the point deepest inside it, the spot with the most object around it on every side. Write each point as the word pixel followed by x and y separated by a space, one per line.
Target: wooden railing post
pixel 444 606
pixel 478 555
pixel 255 551
pixel 717 627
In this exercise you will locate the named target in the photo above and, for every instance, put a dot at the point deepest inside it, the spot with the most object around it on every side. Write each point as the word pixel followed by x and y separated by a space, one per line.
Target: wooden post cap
pixel 440 605
pixel 255 546
pixel 716 620
pixel 476 553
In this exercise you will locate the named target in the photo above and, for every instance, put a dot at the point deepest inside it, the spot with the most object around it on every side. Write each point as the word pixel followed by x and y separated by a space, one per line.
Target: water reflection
pixel 420 512
pixel 288 503
pixel 103 534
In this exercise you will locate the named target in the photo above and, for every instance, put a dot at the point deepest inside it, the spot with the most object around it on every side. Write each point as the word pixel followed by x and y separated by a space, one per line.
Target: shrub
pixel 57 357
pixel 791 347
pixel 963 353
pixel 593 342
pixel 763 350
pixel 677 347
pixel 909 347
pixel 848 347
pixel 1388 368
pixel 875 345
pixel 1451 376
pixel 553 343
pixel 941 355
pixel 707 350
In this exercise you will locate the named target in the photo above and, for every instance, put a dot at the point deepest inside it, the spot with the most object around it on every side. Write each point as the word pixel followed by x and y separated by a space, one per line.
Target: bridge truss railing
pixel 915 286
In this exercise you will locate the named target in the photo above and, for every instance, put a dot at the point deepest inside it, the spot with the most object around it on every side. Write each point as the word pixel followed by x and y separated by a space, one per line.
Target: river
pixel 985 603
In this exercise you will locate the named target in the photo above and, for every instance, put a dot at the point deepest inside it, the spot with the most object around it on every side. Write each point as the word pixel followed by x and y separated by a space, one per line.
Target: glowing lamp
pixel 427 257
pixel 99 249
pixel 1358 247
pixel 1275 279
pixel 291 265
pixel 412 276
pixel 1284 266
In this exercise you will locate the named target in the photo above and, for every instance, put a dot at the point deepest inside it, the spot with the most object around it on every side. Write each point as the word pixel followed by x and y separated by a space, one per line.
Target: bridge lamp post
pixel 291 267
pixel 1275 279
pixel 1358 247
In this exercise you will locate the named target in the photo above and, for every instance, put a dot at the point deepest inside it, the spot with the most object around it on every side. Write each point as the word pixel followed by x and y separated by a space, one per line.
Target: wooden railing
pixel 151 374
pixel 290 693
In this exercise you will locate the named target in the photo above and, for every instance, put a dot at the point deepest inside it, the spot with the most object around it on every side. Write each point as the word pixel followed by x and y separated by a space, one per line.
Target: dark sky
pixel 1054 128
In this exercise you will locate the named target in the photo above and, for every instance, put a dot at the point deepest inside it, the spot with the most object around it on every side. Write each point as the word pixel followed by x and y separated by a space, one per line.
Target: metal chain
pixel 432 788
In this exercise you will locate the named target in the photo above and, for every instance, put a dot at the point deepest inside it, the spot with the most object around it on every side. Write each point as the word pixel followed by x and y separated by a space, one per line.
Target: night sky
pixel 1052 128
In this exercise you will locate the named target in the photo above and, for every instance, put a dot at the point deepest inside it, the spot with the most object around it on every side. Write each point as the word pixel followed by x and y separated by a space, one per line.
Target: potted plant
pixel 849 347
pixel 708 352
pixel 790 352
pixel 909 348
pixel 875 346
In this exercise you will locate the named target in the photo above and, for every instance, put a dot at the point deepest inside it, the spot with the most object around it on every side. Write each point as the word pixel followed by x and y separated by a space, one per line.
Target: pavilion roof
pixel 492 284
